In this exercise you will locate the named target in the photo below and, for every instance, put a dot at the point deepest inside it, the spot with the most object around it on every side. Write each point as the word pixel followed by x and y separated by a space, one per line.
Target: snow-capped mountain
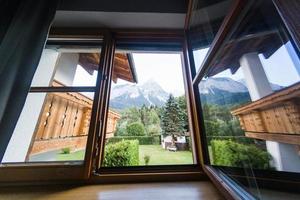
pixel 274 86
pixel 226 84
pixel 223 91
pixel 129 95
pixel 226 91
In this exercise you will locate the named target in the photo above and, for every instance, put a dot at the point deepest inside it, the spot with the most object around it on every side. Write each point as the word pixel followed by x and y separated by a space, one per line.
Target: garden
pixel 139 134
pixel 155 154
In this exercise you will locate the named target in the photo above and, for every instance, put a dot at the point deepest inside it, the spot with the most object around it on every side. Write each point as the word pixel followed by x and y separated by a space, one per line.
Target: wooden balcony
pixel 64 122
pixel 274 118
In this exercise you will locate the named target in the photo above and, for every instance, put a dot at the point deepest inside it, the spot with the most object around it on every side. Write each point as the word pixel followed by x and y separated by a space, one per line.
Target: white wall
pixel 22 135
pixel 66 68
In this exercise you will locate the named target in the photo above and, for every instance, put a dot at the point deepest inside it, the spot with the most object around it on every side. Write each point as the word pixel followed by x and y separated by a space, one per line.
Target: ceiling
pixel 118 19
pixel 169 14
pixel 152 14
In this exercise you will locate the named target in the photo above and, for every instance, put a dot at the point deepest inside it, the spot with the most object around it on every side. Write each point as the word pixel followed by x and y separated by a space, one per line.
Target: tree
pixel 183 111
pixel 135 129
pixel 171 118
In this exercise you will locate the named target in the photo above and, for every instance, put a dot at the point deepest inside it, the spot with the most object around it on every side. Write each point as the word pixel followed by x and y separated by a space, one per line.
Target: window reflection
pixel 250 95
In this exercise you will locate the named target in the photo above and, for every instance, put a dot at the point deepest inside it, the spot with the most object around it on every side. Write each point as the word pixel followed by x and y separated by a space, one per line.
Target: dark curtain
pixel 24 26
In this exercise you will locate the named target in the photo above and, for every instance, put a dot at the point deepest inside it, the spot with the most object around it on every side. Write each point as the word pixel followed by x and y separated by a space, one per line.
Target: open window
pixel 247 87
pixel 147 112
pixel 148 122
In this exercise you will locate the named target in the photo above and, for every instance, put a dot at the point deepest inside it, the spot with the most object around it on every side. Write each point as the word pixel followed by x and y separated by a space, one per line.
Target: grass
pixel 158 156
pixel 77 155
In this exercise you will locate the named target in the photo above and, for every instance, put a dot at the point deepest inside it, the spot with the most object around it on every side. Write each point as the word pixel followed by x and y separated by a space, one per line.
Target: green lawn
pixel 158 156
pixel 78 155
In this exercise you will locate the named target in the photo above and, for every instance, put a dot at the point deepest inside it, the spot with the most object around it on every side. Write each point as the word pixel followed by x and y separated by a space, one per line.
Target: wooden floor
pixel 144 191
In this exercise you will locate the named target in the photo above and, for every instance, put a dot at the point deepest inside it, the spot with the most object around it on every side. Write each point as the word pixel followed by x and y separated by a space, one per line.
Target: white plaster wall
pixel 22 135
pixel 66 68
pixel 290 158
pixel 294 57
pixel 181 139
pixel 255 76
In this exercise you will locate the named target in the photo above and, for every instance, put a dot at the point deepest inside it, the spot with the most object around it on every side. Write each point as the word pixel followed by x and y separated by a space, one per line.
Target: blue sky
pixel 279 67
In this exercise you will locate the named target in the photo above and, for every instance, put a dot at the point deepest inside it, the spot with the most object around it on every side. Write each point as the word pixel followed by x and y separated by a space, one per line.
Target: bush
pixel 135 129
pixel 143 140
pixel 229 153
pixel 147 159
pixel 120 154
pixel 65 150
pixel 189 141
pixel 153 129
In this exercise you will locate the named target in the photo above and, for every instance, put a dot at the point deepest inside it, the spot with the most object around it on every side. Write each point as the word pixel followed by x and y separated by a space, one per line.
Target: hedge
pixel 143 140
pixel 123 153
pixel 229 153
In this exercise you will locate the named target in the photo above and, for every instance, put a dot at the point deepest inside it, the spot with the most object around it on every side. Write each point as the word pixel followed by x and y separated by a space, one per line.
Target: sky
pixel 279 67
pixel 165 69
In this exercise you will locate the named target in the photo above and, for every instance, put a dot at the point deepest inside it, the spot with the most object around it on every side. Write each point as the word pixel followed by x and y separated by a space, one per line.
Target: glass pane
pixel 147 119
pixel 51 127
pixel 67 66
pixel 206 19
pixel 250 99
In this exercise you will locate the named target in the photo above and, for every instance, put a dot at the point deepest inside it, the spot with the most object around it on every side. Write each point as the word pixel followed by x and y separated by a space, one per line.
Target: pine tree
pixel 181 100
pixel 171 118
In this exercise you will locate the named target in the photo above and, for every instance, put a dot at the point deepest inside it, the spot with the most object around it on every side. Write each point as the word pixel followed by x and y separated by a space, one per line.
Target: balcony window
pixel 249 94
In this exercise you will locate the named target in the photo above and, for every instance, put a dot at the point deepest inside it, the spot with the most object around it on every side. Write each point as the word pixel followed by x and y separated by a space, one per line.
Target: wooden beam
pixel 121 70
pixel 188 14
pixel 289 12
pixel 284 138
pixel 237 11
pixel 287 94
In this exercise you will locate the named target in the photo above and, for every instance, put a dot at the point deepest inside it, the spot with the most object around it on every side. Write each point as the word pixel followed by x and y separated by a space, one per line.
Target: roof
pixel 123 65
pixel 265 43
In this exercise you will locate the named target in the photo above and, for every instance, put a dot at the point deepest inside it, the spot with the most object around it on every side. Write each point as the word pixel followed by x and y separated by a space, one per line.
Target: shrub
pixel 123 153
pixel 143 140
pixel 153 129
pixel 135 129
pixel 147 159
pixel 121 128
pixel 65 150
pixel 189 141
pixel 229 153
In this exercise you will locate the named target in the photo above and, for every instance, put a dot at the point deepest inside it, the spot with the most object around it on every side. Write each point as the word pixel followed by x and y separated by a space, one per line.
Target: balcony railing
pixel 275 117
pixel 64 122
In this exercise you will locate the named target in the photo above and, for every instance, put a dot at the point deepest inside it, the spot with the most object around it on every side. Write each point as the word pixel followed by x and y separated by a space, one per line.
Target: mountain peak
pixel 148 93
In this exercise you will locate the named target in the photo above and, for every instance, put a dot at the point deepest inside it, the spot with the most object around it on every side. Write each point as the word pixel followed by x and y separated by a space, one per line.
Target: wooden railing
pixel 275 117
pixel 64 115
pixel 64 122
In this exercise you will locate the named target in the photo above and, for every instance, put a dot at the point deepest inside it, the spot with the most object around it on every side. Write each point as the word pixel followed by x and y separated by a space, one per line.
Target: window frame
pixel 131 38
pixel 272 179
pixel 85 172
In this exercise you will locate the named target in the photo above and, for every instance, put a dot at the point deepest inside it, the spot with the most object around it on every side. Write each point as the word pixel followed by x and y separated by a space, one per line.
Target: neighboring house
pixel 180 142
